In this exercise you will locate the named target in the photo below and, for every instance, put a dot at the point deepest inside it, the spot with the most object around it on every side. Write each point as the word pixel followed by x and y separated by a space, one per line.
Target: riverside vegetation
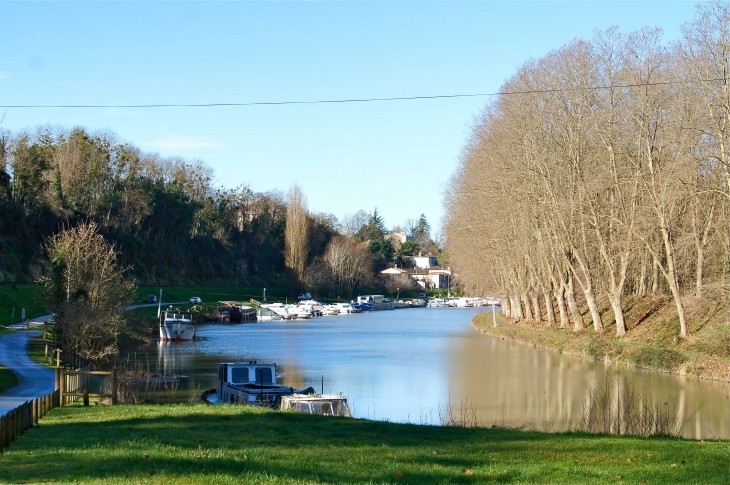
pixel 176 444
pixel 593 196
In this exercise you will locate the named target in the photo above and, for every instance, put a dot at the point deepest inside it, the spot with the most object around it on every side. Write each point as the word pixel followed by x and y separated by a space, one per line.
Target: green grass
pixel 213 294
pixel 29 297
pixel 8 379
pixel 175 444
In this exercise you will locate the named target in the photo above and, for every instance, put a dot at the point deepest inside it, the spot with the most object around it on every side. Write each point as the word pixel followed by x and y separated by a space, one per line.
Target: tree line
pixel 602 170
pixel 168 222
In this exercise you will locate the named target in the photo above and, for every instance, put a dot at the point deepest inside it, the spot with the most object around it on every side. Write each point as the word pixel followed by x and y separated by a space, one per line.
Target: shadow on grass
pixel 234 444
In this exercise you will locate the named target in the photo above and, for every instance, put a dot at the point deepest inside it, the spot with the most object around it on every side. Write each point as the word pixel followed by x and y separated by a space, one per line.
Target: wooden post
pixel 45 355
pixel 114 387
pixel 58 379
pixel 58 357
pixel 62 388
pixel 86 396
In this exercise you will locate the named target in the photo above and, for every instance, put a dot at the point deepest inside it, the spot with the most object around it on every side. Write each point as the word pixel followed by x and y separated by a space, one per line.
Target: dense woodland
pixel 601 171
pixel 168 222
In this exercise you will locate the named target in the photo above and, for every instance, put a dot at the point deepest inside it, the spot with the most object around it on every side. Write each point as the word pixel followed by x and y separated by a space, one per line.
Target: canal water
pixel 426 365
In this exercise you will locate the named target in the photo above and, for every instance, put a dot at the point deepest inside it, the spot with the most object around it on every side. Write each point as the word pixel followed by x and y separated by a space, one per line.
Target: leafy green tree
pixel 374 234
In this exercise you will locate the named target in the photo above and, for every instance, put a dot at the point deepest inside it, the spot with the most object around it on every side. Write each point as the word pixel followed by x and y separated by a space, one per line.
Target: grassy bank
pixel 652 340
pixel 212 294
pixel 227 444
pixel 29 297
pixel 8 379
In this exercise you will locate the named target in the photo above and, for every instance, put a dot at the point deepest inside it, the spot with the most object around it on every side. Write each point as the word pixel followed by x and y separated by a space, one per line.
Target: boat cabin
pixel 249 383
pixel 325 404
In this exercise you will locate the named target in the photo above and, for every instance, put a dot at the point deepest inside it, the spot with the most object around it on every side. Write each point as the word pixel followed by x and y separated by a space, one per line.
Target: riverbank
pixel 652 341
pixel 176 444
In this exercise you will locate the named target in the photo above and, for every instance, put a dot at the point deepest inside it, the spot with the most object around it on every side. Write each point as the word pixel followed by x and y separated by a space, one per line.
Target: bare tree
pixel 297 231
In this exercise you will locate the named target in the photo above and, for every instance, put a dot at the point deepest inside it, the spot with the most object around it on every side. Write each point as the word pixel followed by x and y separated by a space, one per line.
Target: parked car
pixel 421 295
pixel 195 300
pixel 150 299
pixel 305 296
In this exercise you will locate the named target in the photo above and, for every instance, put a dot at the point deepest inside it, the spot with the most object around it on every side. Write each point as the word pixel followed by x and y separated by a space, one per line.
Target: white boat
pixel 330 310
pixel 345 308
pixel 177 326
pixel 325 404
pixel 437 303
pixel 255 384
pixel 418 303
pixel 280 309
pixel 314 306
pixel 267 315
pixel 301 311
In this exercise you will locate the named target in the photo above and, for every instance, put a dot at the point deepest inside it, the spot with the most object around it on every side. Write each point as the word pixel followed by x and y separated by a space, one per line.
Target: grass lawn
pixel 213 294
pixel 176 444
pixel 29 297
pixel 8 379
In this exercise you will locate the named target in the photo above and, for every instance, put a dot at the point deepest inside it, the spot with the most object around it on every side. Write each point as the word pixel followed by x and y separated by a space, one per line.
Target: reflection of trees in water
pixel 515 385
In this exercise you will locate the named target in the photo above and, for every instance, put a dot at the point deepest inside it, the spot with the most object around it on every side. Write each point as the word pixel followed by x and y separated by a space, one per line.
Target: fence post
pixel 86 396
pixel 28 415
pixel 62 387
pixel 58 357
pixel 114 387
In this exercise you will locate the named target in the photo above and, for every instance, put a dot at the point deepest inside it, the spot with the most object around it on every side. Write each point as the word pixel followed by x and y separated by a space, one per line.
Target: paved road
pixel 35 380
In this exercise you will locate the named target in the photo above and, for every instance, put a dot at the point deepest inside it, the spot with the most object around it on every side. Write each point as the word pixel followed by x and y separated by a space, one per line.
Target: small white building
pixel 431 278
pixel 425 261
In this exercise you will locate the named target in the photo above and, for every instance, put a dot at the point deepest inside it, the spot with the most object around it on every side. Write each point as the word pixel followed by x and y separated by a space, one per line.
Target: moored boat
pixel 254 384
pixel 177 326
pixel 375 302
pixel 330 310
pixel 345 308
pixel 325 404
pixel 247 383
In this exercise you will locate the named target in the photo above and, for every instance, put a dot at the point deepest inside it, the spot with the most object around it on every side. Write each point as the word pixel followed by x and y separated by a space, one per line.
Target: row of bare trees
pixel 601 170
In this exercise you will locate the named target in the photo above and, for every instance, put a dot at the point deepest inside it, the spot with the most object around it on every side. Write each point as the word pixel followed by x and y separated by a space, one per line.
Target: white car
pixel 194 300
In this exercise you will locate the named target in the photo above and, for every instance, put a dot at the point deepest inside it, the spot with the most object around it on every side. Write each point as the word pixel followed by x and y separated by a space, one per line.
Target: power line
pixel 350 100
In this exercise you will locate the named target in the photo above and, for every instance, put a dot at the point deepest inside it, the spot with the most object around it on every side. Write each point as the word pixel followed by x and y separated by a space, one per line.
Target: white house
pixel 428 279
pixel 425 261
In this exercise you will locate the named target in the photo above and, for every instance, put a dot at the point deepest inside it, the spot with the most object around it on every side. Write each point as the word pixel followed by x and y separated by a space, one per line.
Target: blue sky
pixel 395 156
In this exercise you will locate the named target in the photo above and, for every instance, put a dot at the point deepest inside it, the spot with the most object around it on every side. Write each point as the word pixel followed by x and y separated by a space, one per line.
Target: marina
pixel 415 365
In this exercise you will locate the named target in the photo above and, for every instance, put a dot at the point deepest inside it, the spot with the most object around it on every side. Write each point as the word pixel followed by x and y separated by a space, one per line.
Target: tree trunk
pixel 549 311
pixel 517 307
pixel 642 277
pixel 560 297
pixel 655 278
pixel 573 306
pixel 618 313
pixel 593 307
pixel 506 310
pixel 536 307
pixel 671 277
pixel 526 303
pixel 699 270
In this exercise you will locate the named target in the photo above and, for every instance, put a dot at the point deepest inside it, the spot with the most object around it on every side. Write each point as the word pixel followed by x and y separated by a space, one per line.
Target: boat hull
pixel 177 332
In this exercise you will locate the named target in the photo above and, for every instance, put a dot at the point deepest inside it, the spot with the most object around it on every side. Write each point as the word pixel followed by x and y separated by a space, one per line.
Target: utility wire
pixel 352 100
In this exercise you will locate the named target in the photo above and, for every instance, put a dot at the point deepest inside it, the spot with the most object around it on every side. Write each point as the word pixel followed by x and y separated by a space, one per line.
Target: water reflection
pixel 410 365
